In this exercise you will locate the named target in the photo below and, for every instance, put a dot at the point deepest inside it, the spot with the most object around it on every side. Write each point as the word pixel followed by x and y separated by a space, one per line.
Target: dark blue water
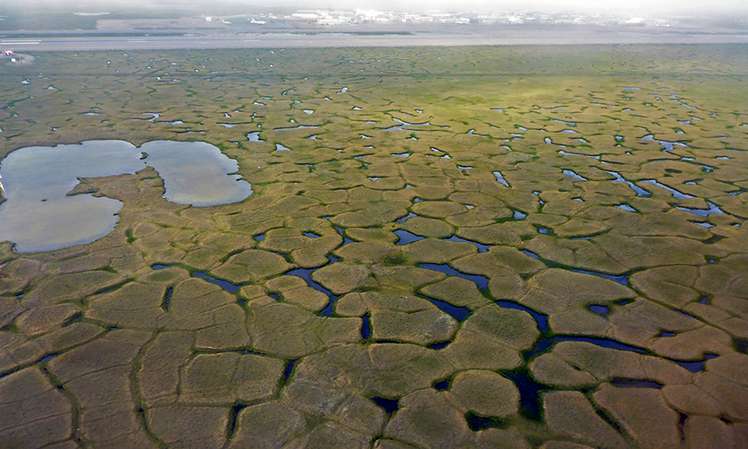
pixel 741 345
pixel 405 218
pixel 480 281
pixel 635 383
pixel 390 406
pixel 545 344
pixel 166 300
pixel 439 345
pixel 341 232
pixel 234 412
pixel 406 237
pixel 456 312
pixel 223 283
pixel 541 319
pixel 622 279
pixel 599 309
pixel 441 385
pixel 529 253
pixel 695 366
pixel 529 393
pixel 476 422
pixel 306 274
pixel 288 370
pixel 366 326
pixel 480 246
pixel 49 356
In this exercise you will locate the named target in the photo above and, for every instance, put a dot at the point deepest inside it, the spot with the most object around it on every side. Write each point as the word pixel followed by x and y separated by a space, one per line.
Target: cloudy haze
pixel 636 7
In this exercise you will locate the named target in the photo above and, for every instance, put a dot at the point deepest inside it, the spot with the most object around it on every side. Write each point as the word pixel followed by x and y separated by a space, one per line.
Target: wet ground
pixel 456 248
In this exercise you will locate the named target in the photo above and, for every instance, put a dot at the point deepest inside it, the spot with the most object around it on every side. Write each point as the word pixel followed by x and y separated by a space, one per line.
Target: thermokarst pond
pixel 41 214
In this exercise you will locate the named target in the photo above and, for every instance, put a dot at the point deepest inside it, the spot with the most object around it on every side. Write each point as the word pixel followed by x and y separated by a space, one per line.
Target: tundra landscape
pixel 387 248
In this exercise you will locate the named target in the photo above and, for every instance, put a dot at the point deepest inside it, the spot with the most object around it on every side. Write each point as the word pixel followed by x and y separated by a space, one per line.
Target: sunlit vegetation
pixel 445 248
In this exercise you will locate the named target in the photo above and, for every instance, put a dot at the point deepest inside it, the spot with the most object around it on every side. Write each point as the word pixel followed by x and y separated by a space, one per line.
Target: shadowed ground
pixel 445 248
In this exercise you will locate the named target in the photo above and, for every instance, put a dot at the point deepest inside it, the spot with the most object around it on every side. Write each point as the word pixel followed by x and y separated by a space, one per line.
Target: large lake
pixel 39 215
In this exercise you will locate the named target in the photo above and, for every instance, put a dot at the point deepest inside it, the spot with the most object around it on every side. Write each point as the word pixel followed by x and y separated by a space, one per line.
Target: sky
pixel 634 7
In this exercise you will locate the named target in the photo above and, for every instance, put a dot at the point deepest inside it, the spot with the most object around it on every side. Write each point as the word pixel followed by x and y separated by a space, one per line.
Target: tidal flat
pixel 452 248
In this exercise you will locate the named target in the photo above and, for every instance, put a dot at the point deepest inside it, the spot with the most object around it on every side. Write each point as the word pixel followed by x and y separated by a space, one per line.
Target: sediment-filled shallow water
pixel 196 173
pixel 41 214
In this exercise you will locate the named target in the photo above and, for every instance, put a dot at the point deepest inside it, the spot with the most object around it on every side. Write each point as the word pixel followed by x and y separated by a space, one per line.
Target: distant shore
pixel 186 39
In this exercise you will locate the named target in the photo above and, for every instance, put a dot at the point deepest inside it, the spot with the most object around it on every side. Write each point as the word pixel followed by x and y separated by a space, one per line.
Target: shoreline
pixel 216 41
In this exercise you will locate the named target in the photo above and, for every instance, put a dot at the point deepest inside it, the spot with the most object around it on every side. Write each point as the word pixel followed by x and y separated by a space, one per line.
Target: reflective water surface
pixel 40 213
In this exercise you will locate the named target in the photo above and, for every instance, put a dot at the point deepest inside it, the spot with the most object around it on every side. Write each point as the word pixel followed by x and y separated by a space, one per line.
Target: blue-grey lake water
pixel 38 213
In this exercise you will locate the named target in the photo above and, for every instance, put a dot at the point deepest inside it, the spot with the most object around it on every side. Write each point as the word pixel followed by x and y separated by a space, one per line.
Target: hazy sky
pixel 635 7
